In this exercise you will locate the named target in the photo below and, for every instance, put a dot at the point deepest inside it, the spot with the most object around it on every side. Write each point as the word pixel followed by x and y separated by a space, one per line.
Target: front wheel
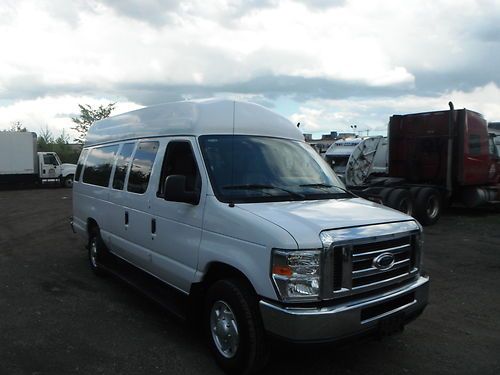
pixel 234 327
pixel 68 181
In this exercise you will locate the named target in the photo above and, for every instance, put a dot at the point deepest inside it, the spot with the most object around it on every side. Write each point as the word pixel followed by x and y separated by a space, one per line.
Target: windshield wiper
pixel 263 186
pixel 323 186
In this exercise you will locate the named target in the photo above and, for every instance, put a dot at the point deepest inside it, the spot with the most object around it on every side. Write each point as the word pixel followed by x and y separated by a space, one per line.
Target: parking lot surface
pixel 56 317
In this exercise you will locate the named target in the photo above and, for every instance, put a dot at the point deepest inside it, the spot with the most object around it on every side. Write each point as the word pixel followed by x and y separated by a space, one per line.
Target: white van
pixel 226 204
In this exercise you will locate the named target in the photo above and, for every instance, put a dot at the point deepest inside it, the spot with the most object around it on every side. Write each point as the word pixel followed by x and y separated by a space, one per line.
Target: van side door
pixel 134 210
pixel 177 238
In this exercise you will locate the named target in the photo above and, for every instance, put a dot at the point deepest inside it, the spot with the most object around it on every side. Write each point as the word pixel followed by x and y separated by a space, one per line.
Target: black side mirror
pixel 175 190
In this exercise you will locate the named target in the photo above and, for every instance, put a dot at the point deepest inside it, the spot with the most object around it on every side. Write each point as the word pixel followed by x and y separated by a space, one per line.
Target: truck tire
pixel 384 195
pixel 68 181
pixel 234 328
pixel 96 250
pixel 400 199
pixel 428 206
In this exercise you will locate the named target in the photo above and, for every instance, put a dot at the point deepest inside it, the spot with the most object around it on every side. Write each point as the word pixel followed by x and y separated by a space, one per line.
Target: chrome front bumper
pixel 343 320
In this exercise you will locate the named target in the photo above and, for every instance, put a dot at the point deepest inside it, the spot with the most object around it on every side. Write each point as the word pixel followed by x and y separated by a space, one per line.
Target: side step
pixel 167 297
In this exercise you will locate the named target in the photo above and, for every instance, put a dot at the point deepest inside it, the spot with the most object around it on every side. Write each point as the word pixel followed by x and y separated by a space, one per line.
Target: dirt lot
pixel 57 318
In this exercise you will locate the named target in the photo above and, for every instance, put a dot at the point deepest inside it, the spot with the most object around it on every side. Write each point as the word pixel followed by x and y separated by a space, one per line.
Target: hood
pixel 304 220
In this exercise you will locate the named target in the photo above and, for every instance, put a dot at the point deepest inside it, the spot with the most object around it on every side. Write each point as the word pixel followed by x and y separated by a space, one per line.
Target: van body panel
pixel 176 243
pixel 306 219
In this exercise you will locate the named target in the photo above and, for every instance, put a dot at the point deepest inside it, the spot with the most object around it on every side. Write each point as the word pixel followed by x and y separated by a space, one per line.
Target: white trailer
pixel 21 163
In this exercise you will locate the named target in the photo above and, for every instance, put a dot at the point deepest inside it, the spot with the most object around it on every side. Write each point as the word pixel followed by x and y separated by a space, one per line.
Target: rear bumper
pixel 352 318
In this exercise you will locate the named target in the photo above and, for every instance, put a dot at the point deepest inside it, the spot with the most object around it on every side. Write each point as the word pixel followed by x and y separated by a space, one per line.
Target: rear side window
pixel 142 164
pixel 121 165
pixel 99 164
pixel 474 144
pixel 79 167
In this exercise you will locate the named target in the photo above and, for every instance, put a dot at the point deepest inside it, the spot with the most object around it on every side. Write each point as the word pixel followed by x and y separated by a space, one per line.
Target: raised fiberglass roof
pixel 197 117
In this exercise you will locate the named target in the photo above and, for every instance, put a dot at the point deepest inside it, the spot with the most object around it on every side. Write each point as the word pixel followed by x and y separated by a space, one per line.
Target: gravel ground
pixel 56 317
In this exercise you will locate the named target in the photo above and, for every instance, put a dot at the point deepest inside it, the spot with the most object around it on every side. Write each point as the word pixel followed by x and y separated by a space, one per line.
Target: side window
pixel 474 144
pixel 99 164
pixel 50 159
pixel 142 164
pixel 121 165
pixel 79 167
pixel 180 160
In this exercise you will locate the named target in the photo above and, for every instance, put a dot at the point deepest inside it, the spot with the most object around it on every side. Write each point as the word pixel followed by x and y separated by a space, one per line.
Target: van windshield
pixel 245 169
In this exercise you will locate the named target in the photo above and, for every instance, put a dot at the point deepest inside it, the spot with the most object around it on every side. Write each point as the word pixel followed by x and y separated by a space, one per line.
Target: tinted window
pixel 50 159
pixel 257 169
pixel 98 165
pixel 79 167
pixel 121 165
pixel 474 144
pixel 141 167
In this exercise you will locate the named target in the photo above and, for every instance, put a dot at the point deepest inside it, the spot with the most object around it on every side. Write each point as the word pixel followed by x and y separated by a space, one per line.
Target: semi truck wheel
pixel 400 199
pixel 234 327
pixel 428 206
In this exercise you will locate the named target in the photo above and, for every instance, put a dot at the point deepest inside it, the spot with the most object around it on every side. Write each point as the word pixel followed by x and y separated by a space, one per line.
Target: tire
pixel 96 250
pixel 428 206
pixel 384 195
pixel 68 181
pixel 400 199
pixel 234 328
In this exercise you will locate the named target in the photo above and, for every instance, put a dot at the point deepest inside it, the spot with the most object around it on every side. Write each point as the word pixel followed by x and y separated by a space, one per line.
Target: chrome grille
pixel 355 264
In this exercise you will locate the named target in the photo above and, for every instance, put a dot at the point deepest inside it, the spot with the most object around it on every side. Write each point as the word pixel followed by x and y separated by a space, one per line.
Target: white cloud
pixel 53 112
pixel 373 114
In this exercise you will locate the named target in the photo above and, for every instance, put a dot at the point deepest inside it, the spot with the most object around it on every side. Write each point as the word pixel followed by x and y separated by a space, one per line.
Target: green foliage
pixel 17 126
pixel 87 117
pixel 47 143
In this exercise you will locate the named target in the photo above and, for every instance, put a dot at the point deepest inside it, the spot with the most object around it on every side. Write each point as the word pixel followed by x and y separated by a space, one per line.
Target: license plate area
pixel 391 324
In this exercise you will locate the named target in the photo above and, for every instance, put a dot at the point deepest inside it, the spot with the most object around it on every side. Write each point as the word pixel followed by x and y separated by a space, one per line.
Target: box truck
pixel 21 163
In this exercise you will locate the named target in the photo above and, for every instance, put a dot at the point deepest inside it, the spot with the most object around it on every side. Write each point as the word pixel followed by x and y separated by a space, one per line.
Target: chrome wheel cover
pixel 93 252
pixel 224 329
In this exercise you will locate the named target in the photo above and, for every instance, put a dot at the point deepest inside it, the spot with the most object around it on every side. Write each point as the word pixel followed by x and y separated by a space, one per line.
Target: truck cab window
pixel 180 160
pixel 142 165
pixel 50 159
pixel 122 163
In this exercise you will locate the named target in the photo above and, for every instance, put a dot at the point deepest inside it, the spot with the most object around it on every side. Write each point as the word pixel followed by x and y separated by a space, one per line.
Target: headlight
pixel 296 274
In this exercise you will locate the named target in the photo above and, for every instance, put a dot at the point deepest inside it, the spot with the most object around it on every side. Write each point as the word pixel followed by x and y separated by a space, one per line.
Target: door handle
pixel 126 218
pixel 153 226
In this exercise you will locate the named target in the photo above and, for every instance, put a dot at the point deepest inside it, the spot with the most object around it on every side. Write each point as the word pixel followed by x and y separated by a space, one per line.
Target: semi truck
pixel 435 159
pixel 20 162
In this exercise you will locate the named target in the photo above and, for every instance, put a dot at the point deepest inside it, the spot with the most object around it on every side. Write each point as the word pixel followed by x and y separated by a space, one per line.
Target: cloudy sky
pixel 326 63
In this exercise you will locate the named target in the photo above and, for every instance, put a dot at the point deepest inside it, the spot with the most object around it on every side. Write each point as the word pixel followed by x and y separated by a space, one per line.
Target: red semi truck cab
pixel 452 149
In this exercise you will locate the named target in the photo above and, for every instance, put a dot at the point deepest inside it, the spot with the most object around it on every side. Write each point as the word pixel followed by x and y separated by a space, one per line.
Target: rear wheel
pixel 400 199
pixel 234 327
pixel 96 250
pixel 428 206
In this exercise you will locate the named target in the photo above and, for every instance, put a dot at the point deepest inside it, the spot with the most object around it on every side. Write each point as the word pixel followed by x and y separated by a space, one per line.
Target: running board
pixel 167 297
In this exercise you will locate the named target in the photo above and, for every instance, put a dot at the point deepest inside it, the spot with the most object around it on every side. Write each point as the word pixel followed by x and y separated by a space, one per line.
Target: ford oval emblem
pixel 384 261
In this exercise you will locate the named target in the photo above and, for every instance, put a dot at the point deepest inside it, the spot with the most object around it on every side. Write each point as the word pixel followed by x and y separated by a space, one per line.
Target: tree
pixel 17 126
pixel 87 117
